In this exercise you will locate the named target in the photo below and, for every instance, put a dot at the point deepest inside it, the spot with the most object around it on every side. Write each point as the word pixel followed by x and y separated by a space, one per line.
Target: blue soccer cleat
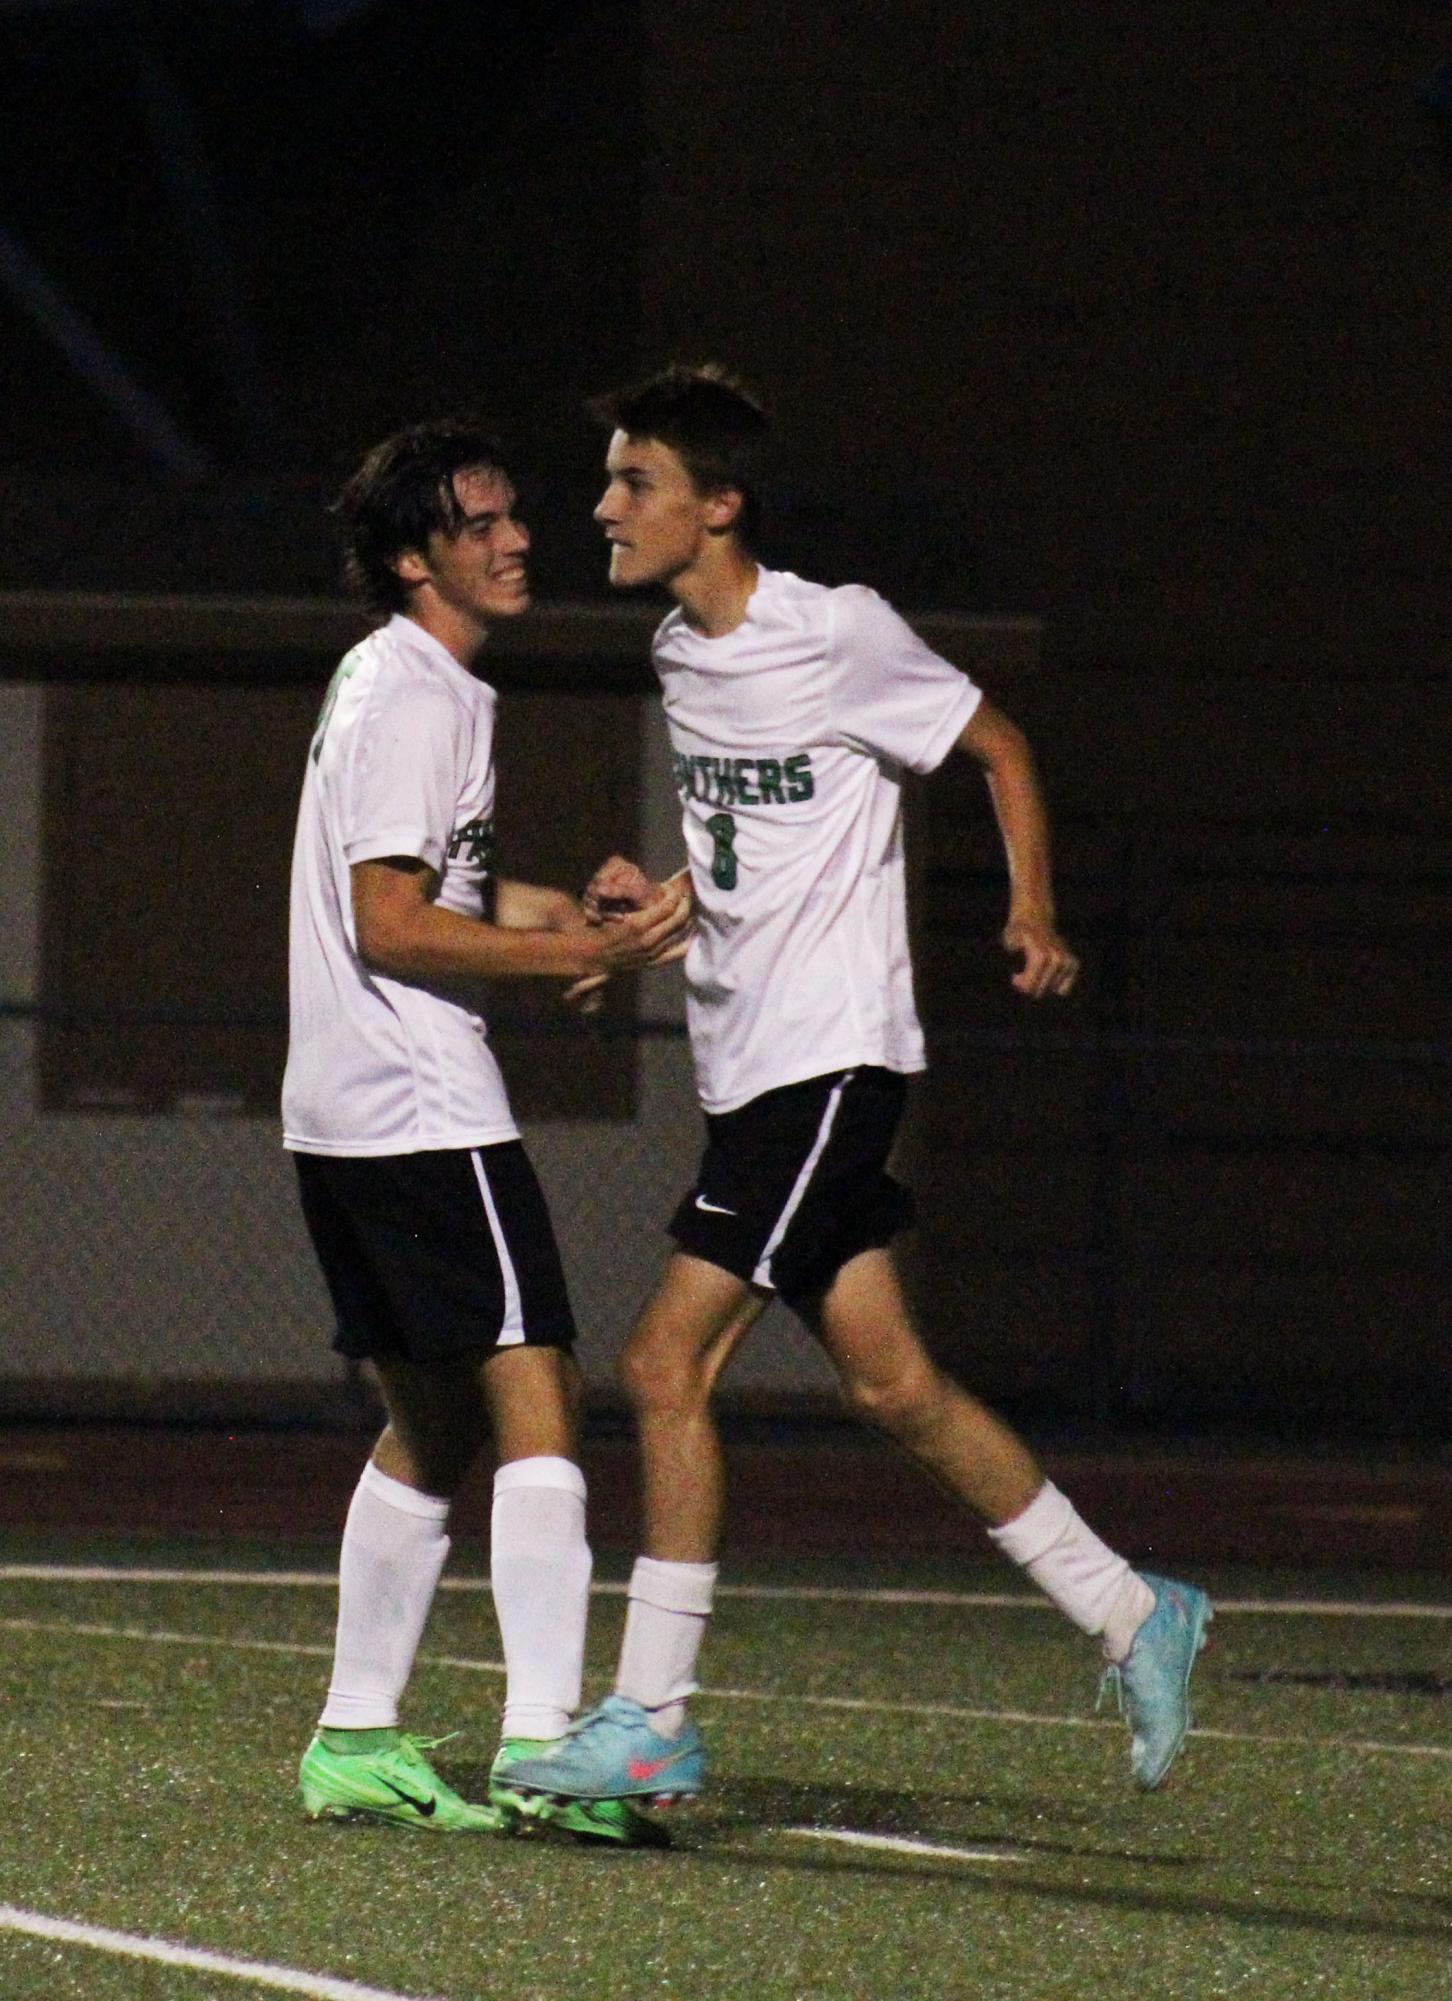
pixel 612 1753
pixel 589 1821
pixel 1152 1682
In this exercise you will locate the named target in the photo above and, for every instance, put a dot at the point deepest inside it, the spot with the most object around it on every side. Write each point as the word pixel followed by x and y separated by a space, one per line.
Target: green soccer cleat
pixel 396 1784
pixel 613 1821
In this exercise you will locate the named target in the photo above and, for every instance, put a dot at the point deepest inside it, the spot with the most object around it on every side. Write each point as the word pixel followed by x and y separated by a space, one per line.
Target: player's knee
pixel 633 1373
pixel 905 1403
pixel 656 1376
pixel 432 1466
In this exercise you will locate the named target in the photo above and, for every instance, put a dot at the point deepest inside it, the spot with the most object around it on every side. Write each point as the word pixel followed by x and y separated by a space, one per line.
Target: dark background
pixel 1136 315
pixel 1134 318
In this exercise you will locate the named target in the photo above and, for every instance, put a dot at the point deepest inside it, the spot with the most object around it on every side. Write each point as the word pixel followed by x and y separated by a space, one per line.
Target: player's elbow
pixel 385 941
pixel 378 956
pixel 390 906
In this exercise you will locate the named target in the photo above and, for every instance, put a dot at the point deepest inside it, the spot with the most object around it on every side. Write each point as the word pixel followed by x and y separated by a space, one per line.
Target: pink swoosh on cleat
pixel 647 1768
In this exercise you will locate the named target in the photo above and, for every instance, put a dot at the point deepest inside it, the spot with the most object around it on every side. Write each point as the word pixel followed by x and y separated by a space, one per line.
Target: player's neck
pixel 455 631
pixel 714 594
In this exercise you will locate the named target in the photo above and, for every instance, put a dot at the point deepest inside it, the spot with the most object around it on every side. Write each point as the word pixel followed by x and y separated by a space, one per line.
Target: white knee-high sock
pixel 394 1548
pixel 1083 1576
pixel 665 1623
pixel 539 1567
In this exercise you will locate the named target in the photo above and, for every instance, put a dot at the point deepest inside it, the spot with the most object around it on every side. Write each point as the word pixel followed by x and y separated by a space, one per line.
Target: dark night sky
pixel 1131 313
pixel 233 202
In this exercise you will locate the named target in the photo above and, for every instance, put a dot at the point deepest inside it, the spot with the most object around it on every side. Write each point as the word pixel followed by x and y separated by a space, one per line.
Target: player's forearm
pixel 1000 748
pixel 525 906
pixel 433 946
pixel 1023 824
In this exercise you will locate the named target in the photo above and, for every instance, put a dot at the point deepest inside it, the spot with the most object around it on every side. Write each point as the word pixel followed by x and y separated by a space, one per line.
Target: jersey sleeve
pixel 404 782
pixel 893 696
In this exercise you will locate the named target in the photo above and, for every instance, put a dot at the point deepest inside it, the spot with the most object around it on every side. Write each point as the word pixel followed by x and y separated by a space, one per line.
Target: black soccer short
pixel 795 1183
pixel 433 1255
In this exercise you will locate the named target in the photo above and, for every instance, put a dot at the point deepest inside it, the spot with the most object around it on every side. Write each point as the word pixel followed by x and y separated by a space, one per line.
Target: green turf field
pixel 908 1799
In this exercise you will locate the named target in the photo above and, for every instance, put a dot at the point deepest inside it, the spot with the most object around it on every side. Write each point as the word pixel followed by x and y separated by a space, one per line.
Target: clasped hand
pixel 638 923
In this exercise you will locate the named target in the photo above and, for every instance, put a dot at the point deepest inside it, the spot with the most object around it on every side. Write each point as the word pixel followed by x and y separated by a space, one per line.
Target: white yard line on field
pixel 131 1946
pixel 152 1637
pixel 865 1705
pixel 901 1844
pixel 847 1594
pixel 959 1713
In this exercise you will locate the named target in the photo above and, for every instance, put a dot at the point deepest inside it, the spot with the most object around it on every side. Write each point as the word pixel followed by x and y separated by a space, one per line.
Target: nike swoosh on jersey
pixel 714 1207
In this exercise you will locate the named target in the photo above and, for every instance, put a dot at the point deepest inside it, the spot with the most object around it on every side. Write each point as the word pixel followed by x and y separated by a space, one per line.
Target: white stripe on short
pixel 511 1330
pixel 762 1274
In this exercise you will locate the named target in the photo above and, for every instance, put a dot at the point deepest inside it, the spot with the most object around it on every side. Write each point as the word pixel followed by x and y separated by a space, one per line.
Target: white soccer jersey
pixel 790 737
pixel 402 764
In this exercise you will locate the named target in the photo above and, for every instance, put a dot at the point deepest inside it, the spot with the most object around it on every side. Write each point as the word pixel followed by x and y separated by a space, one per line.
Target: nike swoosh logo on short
pixel 425 1807
pixel 649 1768
pixel 714 1207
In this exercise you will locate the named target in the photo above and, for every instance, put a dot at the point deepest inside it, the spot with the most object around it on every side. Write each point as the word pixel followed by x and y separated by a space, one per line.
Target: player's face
pixel 481 572
pixel 654 519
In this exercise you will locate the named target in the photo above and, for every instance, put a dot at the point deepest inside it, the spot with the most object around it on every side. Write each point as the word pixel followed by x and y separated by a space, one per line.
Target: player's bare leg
pixel 863 1323
pixel 685 1335
pixel 534 1396
pixel 438 1423
pixel 441 1414
pixel 1151 1628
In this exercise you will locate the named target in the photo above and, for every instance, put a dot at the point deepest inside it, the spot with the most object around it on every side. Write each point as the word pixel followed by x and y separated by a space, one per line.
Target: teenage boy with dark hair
pixel 793 711
pixel 426 1216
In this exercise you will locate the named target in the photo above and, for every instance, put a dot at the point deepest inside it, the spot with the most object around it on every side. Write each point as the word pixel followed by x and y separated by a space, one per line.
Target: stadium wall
pixel 157 1264
pixel 1130 315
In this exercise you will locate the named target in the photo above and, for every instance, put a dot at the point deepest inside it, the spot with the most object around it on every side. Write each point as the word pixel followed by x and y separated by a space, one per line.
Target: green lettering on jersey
pixel 768 777
pixel 743 781
pixel 477 837
pixel 341 673
pixel 722 829
pixel 800 784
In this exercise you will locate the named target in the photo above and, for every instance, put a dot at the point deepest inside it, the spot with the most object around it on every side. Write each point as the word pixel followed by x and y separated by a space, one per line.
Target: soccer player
pixel 425 1213
pixel 793 711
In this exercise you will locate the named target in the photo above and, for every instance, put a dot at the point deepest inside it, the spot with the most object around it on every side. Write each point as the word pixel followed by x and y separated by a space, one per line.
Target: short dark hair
pixel 709 419
pixel 402 493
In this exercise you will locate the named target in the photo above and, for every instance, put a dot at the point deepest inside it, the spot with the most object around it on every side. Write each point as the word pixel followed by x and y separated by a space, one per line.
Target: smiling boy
pixel 427 1219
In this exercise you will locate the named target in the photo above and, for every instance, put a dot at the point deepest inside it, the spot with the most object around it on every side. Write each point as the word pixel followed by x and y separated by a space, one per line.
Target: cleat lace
pixel 407 1741
pixel 594 1720
pixel 407 1757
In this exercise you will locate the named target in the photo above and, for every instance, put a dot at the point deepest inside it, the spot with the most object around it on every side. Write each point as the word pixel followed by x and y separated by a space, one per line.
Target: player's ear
pixel 411 566
pixel 723 509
